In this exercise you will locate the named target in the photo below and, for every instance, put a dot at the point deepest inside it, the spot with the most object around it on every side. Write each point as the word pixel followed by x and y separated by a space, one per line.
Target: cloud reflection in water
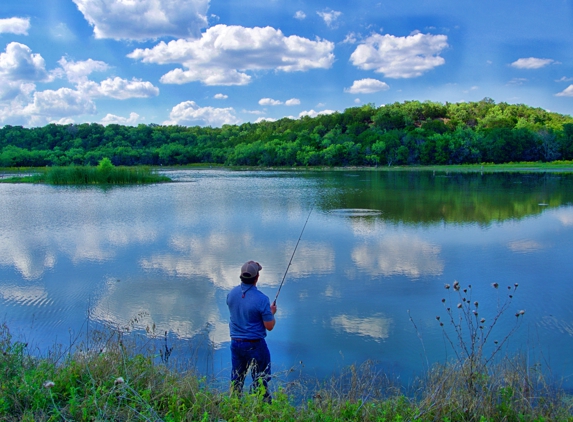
pixel 182 307
pixel 399 254
pixel 376 327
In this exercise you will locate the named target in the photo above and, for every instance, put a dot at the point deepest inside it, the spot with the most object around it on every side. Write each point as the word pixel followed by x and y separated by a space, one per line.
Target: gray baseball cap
pixel 250 269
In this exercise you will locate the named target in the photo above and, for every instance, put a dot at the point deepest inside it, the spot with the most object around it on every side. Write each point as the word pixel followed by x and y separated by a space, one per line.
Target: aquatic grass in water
pixel 102 176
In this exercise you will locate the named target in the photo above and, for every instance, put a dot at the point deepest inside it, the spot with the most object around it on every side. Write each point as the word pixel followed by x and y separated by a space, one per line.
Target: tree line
pixel 407 133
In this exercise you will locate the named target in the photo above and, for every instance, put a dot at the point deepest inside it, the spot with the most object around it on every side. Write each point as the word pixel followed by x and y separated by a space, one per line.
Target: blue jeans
pixel 255 355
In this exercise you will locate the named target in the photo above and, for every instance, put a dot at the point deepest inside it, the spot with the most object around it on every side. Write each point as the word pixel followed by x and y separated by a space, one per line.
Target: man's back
pixel 249 308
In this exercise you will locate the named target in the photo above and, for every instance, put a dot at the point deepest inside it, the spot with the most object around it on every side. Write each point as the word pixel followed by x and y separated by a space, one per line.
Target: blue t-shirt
pixel 249 312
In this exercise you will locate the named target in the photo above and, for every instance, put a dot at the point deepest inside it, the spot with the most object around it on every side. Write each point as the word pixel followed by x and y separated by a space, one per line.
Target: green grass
pixel 521 167
pixel 85 175
pixel 117 379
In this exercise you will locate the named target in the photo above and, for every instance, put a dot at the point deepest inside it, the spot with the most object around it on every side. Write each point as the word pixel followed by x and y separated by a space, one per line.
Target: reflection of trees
pixel 427 198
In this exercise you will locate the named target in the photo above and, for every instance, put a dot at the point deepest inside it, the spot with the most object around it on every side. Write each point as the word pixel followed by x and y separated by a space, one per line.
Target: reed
pixel 76 175
pixel 105 173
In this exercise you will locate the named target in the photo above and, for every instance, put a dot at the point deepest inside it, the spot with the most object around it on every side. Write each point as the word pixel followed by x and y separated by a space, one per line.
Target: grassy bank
pixel 104 174
pixel 521 167
pixel 115 380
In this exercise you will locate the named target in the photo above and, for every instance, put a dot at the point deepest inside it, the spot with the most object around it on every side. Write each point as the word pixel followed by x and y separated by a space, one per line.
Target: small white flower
pixel 119 380
pixel 49 384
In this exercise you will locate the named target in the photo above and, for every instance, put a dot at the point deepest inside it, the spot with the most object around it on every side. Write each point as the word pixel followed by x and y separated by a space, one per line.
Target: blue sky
pixel 215 62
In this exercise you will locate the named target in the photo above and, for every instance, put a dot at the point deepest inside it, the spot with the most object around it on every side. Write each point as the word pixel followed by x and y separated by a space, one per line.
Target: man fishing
pixel 252 316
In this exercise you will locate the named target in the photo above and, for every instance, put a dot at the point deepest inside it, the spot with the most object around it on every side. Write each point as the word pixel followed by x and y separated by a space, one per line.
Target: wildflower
pixel 521 312
pixel 456 285
pixel 508 287
pixel 119 380
pixel 441 324
pixel 438 317
pixel 476 304
pixel 465 290
pixel 516 284
pixel 495 341
pixel 447 286
pixel 511 296
pixel 459 305
pixel 475 312
pixel 49 384
pixel 469 286
pixel 495 285
pixel 443 300
pixel 482 320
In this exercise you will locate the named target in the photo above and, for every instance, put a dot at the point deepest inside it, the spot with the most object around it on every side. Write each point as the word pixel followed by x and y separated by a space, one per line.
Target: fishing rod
pixel 292 256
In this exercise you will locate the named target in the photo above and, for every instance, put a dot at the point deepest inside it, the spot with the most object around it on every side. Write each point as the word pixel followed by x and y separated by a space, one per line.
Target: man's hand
pixel 273 308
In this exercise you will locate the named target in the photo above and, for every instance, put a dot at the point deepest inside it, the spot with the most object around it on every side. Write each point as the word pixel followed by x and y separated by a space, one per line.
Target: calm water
pixel 376 246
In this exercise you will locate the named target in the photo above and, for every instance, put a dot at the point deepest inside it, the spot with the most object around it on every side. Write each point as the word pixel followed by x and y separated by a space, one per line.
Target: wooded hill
pixel 407 133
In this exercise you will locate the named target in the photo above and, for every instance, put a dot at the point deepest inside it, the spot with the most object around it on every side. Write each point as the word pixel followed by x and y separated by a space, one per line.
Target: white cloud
pixel 564 79
pixel 357 101
pixel 367 86
pixel 257 112
pixel 122 89
pixel 225 53
pixel 189 113
pixel 9 90
pixel 132 120
pixel 79 71
pixel 300 15
pixel 292 102
pixel 313 113
pixel 269 102
pixel 531 63
pixel 118 88
pixel 265 119
pixel 63 121
pixel 220 96
pixel 351 38
pixel 330 17
pixel 145 19
pixel 19 70
pixel 64 102
pixel 567 92
pixel 18 26
pixel 18 63
pixel 400 57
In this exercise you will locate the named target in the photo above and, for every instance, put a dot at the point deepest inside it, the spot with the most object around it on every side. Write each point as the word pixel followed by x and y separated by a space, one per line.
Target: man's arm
pixel 269 325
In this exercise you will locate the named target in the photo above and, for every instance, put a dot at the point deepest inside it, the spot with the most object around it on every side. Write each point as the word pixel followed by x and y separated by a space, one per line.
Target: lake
pixel 366 282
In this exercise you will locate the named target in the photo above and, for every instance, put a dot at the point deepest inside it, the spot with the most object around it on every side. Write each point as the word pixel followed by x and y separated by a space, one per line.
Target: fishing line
pixel 292 256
